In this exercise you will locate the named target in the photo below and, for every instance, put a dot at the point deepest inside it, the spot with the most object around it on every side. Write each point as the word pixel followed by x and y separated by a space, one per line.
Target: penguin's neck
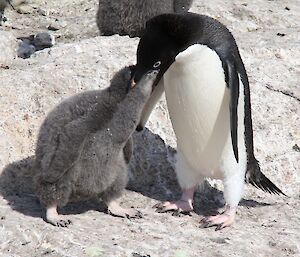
pixel 105 107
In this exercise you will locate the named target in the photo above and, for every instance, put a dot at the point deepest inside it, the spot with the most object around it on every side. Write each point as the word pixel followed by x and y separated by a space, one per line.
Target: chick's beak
pixel 132 83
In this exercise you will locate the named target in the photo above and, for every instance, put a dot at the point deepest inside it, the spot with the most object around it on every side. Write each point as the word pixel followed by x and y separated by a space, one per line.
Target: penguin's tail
pixel 256 178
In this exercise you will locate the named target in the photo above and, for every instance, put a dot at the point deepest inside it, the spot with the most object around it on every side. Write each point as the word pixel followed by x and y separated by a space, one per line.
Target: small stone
pixel 25 49
pixel 296 148
pixel 43 40
pixel 26 116
pixel 42 12
pixel 139 255
pixel 220 240
pixel 52 28
pixel 24 9
pixel 281 34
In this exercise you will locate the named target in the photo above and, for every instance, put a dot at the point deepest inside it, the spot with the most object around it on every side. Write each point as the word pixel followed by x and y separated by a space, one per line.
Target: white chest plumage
pixel 198 102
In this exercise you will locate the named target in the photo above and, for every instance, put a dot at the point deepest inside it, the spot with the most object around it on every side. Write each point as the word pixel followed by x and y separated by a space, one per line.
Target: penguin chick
pixel 208 98
pixel 85 144
pixel 128 17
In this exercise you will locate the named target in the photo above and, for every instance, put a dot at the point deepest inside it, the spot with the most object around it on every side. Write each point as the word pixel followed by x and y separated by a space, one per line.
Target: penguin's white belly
pixel 198 103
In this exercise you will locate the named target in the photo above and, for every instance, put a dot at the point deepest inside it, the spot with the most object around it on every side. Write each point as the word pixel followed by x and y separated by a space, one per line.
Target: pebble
pixel 26 49
pixel 31 44
pixel 43 40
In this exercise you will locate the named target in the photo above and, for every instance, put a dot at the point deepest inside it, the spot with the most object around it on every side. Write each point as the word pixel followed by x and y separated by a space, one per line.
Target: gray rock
pixel 26 49
pixel 43 40
pixel 31 44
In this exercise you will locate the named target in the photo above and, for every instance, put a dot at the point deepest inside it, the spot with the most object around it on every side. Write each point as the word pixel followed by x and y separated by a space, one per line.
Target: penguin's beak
pixel 132 83
pixel 139 73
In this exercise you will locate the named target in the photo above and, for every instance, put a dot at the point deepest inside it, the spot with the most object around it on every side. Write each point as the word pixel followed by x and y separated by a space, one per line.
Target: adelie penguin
pixel 85 144
pixel 208 99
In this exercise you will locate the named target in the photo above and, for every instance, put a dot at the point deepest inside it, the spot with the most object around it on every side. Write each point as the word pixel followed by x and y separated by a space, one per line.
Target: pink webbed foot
pixel 178 207
pixel 183 206
pixel 53 218
pixel 116 210
pixel 221 220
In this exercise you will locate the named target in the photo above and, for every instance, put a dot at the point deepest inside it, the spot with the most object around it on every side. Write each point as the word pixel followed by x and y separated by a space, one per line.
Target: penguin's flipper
pixel 64 150
pixel 256 178
pixel 233 84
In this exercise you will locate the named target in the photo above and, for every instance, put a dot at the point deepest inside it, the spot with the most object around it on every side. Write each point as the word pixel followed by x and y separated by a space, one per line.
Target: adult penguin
pixel 208 98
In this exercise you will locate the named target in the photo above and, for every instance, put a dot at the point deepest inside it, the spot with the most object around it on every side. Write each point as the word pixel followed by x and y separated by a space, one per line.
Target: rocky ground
pixel 267 33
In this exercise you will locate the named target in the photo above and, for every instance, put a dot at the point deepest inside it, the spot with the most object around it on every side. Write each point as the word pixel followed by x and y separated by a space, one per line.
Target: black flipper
pixel 234 87
pixel 256 178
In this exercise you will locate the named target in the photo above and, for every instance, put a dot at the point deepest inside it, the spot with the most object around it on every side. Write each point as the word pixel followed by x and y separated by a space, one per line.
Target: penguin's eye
pixel 157 64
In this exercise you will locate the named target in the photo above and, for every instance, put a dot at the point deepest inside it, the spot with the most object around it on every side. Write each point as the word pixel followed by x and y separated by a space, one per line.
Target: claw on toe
pixel 205 223
pixel 220 221
pixel 178 208
pixel 129 214
pixel 136 214
pixel 116 210
pixel 180 213
pixel 53 218
pixel 63 223
pixel 160 205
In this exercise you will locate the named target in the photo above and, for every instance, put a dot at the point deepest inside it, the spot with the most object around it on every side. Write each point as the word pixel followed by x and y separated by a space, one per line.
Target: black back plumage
pixel 167 35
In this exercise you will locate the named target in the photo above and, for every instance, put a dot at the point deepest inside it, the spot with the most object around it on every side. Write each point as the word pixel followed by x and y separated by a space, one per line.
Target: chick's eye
pixel 157 64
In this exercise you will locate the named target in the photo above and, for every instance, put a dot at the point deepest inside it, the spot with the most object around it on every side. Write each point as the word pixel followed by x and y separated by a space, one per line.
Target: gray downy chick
pixel 128 17
pixel 85 144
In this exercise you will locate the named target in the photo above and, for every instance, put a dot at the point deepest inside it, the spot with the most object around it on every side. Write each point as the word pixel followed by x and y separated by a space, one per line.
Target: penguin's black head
pixel 165 36
pixel 157 47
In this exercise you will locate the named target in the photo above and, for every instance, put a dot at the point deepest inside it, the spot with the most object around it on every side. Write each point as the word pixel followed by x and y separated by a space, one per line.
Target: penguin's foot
pixel 115 209
pixel 53 218
pixel 221 221
pixel 178 207
pixel 183 206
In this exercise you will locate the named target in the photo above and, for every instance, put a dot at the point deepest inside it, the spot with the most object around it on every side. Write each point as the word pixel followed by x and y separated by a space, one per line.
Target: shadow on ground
pixel 152 175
